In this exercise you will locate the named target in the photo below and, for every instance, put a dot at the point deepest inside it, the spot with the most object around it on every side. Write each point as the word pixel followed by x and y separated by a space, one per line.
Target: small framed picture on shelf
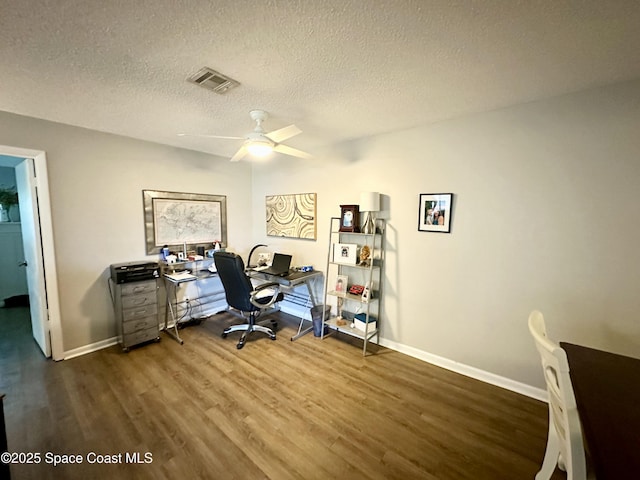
pixel 434 212
pixel 345 253
pixel 349 218
pixel 341 285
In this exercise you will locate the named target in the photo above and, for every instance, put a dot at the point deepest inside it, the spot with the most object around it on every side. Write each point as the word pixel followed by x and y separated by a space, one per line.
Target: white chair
pixel 564 443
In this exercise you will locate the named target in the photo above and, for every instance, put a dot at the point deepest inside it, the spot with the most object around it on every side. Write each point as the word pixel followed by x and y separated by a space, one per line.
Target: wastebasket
pixel 316 318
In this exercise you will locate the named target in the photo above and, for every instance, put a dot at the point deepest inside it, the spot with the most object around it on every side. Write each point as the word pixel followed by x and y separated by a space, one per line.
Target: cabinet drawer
pixel 140 324
pixel 137 288
pixel 140 312
pixel 140 336
pixel 136 301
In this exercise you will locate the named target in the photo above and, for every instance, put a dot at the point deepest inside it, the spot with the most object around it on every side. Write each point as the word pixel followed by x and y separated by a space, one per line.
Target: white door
pixel 30 221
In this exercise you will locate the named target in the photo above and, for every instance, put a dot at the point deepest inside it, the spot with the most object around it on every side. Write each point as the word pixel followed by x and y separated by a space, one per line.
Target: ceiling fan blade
pixel 291 151
pixel 242 151
pixel 208 136
pixel 283 134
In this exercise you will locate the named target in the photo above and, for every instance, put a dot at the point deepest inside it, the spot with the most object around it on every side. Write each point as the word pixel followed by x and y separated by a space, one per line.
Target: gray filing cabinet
pixel 136 309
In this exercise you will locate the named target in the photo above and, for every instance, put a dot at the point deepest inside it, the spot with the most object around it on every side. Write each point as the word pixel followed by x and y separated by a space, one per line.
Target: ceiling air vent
pixel 212 80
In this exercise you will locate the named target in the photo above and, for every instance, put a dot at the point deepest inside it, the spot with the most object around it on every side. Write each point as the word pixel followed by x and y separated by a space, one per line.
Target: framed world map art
pixel 292 216
pixel 175 219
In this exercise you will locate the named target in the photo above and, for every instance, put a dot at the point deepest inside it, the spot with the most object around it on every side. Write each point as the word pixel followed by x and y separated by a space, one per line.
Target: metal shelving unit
pixel 345 305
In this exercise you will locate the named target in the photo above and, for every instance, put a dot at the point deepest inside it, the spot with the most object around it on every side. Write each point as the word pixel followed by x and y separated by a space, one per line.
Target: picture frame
pixel 342 282
pixel 434 212
pixel 350 218
pixel 291 215
pixel 346 253
pixel 177 219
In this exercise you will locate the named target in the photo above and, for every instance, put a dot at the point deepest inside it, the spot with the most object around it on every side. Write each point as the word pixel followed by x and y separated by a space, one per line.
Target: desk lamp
pixel 369 202
pixel 251 253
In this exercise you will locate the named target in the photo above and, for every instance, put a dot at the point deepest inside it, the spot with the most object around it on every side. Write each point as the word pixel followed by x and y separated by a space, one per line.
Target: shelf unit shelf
pixel 332 323
pixel 352 297
pixel 370 275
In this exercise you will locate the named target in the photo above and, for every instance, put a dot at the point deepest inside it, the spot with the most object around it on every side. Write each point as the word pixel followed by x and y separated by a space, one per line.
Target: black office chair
pixel 244 297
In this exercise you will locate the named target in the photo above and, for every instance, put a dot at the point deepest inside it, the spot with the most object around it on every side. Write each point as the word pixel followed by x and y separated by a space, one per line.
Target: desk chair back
pixel 237 286
pixel 243 296
pixel 565 447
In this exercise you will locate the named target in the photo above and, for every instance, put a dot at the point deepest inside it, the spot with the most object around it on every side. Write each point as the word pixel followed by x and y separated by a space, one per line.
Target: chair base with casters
pixel 243 297
pixel 252 326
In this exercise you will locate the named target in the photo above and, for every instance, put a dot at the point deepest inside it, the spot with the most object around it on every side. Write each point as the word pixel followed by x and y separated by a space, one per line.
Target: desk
pixel 199 274
pixel 289 283
pixel 607 391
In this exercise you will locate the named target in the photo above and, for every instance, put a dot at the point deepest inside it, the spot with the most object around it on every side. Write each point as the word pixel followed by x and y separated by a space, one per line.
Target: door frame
pixel 50 277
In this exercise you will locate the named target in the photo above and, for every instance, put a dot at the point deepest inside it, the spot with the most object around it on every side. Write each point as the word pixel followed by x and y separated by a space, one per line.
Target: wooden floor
pixel 308 409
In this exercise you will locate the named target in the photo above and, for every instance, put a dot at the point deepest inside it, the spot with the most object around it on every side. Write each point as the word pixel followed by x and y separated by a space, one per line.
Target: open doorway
pixel 13 275
pixel 37 235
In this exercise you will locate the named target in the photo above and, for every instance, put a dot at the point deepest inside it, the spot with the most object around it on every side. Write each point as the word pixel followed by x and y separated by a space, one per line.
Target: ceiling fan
pixel 259 143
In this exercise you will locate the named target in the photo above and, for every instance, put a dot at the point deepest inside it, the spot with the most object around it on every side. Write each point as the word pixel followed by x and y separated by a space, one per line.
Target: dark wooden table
pixel 607 391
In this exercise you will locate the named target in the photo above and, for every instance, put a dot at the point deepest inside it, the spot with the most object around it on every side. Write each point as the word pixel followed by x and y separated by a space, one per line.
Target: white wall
pixel 545 216
pixel 96 182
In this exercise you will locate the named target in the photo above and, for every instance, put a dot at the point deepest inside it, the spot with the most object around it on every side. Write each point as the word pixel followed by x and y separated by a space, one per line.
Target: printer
pixel 134 271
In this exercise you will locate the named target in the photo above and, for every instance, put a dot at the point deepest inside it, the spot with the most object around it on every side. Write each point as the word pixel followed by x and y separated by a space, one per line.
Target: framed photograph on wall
pixel 434 212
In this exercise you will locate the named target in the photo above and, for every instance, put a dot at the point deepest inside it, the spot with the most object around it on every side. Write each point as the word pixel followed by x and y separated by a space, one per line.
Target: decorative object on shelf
pixel 339 305
pixel 176 219
pixel 366 293
pixel 14 213
pixel 370 203
pixel 340 322
pixel 362 322
pixel 349 218
pixel 356 289
pixel 9 203
pixel 365 256
pixel 435 212
pixel 292 216
pixel 345 253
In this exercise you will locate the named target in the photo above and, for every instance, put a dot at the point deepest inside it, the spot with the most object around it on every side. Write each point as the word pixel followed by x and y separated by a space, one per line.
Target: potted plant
pixel 9 202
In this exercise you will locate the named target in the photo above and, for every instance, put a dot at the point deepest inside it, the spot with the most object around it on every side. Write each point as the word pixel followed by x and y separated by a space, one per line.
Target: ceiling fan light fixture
pixel 259 148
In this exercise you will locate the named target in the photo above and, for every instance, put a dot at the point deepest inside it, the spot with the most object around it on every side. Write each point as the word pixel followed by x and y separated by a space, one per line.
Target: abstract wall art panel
pixel 292 216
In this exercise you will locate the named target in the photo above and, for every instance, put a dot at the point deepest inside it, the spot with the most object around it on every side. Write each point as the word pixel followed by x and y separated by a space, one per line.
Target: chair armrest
pixel 260 288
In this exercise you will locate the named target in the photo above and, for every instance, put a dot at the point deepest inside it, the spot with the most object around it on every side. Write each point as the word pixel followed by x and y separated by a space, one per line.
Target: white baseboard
pixel 94 347
pixel 295 310
pixel 487 377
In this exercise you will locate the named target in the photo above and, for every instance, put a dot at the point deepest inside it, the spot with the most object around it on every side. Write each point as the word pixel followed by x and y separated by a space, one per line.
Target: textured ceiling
pixel 339 70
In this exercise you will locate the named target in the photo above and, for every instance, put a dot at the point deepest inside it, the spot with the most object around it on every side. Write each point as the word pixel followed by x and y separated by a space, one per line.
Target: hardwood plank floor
pixel 308 409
